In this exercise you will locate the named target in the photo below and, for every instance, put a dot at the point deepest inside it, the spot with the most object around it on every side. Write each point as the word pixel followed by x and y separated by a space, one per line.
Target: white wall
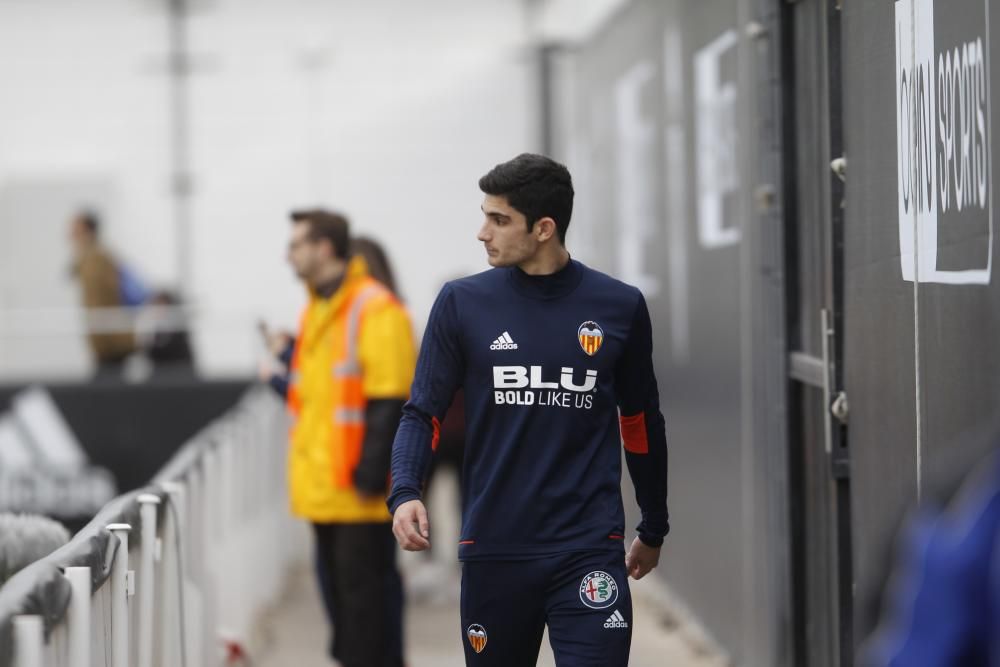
pixel 571 21
pixel 389 110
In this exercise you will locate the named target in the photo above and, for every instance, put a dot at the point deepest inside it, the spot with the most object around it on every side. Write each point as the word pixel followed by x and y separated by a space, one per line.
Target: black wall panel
pixel 133 430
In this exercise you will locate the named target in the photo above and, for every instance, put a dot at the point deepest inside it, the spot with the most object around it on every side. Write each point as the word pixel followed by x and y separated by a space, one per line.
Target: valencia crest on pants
pixel 477 637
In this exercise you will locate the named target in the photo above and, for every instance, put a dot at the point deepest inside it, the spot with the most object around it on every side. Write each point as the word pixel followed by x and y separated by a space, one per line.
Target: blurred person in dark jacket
pixel 377 260
pixel 344 425
pixel 941 603
pixel 100 283
pixel 162 334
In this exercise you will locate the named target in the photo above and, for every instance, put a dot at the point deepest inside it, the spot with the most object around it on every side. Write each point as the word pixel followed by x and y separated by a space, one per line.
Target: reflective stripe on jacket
pixel 354 346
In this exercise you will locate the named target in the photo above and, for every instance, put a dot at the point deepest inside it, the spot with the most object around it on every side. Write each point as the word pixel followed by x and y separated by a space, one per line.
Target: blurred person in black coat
pixel 162 334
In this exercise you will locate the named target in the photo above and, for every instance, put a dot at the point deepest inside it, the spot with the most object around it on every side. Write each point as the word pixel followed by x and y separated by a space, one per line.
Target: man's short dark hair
pixel 535 185
pixel 326 225
pixel 89 219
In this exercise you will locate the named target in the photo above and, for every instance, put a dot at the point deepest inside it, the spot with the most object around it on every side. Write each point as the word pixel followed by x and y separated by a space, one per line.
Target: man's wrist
pixel 653 527
pixel 400 497
pixel 652 541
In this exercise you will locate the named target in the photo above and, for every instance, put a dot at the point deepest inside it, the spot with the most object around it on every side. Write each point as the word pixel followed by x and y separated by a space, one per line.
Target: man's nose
pixel 484 234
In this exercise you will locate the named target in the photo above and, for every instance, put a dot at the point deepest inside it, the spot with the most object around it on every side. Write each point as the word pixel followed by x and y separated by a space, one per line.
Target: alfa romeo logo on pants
pixel 598 590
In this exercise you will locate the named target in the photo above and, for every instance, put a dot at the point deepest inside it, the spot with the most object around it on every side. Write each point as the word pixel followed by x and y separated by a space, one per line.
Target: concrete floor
pixel 294 632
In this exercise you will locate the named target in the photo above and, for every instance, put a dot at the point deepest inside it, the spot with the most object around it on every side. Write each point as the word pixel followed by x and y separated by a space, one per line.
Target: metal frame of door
pixel 819 456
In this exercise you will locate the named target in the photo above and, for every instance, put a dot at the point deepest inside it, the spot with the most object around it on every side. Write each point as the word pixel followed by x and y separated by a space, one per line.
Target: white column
pixel 211 519
pixel 147 577
pixel 119 597
pixel 78 616
pixel 171 639
pixel 28 641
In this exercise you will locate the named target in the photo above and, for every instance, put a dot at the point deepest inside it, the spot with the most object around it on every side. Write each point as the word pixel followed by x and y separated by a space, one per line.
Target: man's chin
pixel 496 262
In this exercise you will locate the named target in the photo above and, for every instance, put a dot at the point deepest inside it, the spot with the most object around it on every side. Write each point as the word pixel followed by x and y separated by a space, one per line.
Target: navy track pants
pixel 583 598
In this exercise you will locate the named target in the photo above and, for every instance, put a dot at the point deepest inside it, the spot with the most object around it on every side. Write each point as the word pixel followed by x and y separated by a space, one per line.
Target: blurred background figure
pixel 941 604
pixel 103 284
pixel 25 538
pixel 377 260
pixel 162 335
pixel 344 423
pixel 275 371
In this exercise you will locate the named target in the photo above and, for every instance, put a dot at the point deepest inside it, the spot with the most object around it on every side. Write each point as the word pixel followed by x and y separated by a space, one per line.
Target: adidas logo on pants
pixel 616 620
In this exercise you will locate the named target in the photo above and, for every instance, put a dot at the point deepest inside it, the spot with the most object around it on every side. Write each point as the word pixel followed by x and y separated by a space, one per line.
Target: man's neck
pixel 546 261
pixel 86 248
pixel 328 279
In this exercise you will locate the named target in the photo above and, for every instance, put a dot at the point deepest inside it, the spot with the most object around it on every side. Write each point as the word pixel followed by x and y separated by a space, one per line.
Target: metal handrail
pixel 179 548
pixel 53 321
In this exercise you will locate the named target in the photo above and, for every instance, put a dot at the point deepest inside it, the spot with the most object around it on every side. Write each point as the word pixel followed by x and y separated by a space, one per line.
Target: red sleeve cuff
pixel 634 436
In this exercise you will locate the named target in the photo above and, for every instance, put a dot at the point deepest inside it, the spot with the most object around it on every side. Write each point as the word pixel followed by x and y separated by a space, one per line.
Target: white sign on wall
pixel 943 134
pixel 715 138
pixel 636 188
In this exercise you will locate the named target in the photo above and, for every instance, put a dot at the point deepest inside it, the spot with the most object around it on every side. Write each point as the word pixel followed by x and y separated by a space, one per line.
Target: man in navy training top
pixel 555 360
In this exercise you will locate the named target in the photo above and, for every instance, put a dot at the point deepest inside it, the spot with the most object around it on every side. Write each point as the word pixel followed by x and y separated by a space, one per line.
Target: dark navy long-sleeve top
pixel 558 375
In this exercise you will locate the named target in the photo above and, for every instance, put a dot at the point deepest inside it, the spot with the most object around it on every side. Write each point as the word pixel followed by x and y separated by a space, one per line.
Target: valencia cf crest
pixel 590 336
pixel 477 637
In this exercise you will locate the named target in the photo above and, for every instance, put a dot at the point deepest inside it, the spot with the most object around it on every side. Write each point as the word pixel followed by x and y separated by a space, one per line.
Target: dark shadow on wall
pixel 132 430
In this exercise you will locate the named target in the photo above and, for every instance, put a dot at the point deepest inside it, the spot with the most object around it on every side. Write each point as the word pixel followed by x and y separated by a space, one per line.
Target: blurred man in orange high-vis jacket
pixel 350 366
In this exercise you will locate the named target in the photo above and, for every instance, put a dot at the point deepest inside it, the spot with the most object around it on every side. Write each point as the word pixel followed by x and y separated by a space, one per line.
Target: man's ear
pixel 545 228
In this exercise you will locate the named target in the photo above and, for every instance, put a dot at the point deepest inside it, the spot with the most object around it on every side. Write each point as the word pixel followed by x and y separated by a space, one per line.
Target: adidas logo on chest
pixel 504 342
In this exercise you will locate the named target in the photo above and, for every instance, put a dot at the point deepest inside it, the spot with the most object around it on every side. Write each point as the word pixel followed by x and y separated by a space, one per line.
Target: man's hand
pixel 411 527
pixel 274 341
pixel 641 558
pixel 267 369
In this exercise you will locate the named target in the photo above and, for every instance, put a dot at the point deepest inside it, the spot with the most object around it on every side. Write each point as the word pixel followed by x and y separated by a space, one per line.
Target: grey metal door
pixel 819 473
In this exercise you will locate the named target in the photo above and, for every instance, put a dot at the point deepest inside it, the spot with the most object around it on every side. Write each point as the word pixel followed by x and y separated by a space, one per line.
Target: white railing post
pixel 189 571
pixel 119 596
pixel 78 616
pixel 212 518
pixel 226 500
pixel 193 551
pixel 28 641
pixel 170 637
pixel 147 577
